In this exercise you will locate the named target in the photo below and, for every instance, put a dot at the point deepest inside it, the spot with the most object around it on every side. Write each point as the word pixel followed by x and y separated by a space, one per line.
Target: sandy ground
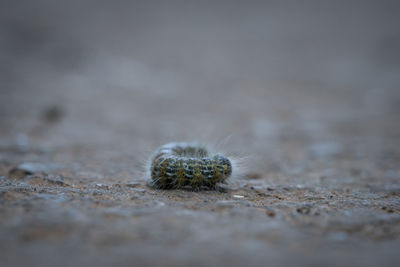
pixel 314 130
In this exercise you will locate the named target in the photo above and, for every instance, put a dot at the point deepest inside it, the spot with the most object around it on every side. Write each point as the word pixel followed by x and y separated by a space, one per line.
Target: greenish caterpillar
pixel 187 165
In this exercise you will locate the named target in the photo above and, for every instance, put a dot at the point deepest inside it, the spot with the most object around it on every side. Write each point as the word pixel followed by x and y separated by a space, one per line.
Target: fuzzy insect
pixel 183 165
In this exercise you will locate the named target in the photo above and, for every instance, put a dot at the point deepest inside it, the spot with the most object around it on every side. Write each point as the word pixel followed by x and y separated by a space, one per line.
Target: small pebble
pixel 304 210
pixel 53 114
pixel 27 168
pixel 270 213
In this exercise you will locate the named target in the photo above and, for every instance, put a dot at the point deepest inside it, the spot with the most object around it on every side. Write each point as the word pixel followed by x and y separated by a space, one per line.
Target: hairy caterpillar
pixel 181 165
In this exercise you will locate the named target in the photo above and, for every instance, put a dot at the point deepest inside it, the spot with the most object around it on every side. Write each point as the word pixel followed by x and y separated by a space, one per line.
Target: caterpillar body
pixel 187 165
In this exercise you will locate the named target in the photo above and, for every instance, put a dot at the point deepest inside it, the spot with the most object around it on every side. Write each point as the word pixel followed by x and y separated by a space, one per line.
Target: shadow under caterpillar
pixel 187 165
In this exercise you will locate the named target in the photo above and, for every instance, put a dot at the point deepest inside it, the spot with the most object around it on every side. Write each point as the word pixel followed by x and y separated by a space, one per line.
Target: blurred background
pixel 145 72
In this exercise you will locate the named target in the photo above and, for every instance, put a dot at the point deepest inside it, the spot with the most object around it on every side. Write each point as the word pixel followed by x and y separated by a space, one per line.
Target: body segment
pixel 178 165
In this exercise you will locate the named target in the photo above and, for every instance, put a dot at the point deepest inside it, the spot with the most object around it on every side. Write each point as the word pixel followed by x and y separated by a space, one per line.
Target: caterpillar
pixel 188 165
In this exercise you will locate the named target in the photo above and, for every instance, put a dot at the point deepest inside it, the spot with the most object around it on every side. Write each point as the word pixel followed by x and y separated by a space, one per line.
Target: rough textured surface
pixel 315 196
pixel 314 127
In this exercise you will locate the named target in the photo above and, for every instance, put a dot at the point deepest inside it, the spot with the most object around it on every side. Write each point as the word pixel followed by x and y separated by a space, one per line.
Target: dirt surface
pixel 317 174
pixel 326 195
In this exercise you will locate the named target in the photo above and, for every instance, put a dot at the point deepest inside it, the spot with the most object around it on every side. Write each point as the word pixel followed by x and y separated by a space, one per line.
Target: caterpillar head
pixel 223 163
